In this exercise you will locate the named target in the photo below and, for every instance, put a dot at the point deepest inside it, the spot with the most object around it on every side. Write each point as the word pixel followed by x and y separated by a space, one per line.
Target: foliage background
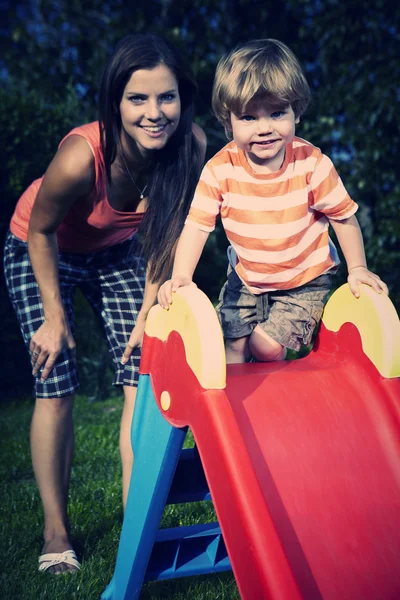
pixel 52 54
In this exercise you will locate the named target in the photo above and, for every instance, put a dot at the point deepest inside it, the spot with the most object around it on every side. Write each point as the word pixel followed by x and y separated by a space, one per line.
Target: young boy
pixel 276 194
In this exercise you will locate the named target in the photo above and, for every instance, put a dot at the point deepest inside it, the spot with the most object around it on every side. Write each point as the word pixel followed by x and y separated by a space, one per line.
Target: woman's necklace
pixel 141 192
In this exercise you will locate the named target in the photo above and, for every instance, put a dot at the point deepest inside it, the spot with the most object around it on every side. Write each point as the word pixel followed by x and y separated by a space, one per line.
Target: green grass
pixel 95 514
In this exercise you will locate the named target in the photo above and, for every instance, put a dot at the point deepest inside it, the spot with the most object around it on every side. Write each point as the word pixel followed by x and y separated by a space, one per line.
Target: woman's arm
pixel 69 176
pixel 152 288
pixel 350 239
pixel 188 252
pixel 149 299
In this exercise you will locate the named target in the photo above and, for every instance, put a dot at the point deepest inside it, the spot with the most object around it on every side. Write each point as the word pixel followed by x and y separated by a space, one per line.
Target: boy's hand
pixel 164 295
pixel 359 275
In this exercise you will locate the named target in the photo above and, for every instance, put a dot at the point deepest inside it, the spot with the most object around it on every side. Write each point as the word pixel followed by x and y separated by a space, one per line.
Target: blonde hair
pixel 258 70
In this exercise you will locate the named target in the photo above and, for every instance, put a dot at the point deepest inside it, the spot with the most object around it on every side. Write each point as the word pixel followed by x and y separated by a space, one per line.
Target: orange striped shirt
pixel 277 223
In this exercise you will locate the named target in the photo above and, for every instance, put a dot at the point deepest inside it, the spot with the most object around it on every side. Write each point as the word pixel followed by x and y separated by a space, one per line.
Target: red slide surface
pixel 302 461
pixel 323 436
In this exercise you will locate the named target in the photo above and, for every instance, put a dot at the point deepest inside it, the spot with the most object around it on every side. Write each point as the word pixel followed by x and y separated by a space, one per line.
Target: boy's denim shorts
pixel 288 316
pixel 112 280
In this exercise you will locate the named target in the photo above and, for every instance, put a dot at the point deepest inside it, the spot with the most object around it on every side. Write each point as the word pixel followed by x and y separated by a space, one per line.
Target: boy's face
pixel 263 132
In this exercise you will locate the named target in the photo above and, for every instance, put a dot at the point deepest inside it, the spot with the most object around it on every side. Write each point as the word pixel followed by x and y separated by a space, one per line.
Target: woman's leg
pixel 52 441
pixel 115 291
pixel 125 439
pixel 52 436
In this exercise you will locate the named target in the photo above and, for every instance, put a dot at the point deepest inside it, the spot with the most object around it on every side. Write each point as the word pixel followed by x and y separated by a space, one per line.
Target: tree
pixel 354 116
pixel 53 52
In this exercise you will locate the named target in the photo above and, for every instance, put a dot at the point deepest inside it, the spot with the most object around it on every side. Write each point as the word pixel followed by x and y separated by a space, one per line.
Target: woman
pixel 132 173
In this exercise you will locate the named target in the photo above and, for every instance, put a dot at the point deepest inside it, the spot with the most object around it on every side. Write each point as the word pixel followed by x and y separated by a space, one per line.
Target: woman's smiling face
pixel 150 108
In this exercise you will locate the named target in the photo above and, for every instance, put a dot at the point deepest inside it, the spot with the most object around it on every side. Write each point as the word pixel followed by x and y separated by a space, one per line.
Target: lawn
pixel 95 513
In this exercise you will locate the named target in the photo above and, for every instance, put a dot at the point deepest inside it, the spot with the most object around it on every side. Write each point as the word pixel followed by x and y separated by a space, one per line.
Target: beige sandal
pixel 50 560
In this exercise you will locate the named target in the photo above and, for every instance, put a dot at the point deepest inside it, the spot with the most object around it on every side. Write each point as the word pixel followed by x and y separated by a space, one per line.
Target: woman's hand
pixel 136 337
pixel 361 274
pixel 46 345
pixel 164 295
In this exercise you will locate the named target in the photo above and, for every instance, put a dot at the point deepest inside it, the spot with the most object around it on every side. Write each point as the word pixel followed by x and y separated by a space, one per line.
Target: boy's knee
pixel 264 348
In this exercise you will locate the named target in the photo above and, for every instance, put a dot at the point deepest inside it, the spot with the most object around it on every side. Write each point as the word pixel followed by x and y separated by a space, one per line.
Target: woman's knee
pixel 55 407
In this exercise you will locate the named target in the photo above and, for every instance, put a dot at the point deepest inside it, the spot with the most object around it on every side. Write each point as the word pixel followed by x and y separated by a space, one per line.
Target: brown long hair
pixel 176 168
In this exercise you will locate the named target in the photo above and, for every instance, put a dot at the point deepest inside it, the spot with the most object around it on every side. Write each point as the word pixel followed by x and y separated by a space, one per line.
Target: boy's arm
pixel 188 252
pixel 351 242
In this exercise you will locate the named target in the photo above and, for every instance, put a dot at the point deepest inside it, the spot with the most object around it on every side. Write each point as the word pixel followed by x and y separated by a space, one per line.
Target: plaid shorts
pixel 112 280
pixel 288 316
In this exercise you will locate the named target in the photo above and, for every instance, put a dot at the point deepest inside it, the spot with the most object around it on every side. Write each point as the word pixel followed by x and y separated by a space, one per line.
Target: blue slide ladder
pixel 163 473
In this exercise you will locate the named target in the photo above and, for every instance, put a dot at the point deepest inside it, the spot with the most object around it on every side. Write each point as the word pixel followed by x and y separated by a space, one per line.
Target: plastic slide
pixel 301 458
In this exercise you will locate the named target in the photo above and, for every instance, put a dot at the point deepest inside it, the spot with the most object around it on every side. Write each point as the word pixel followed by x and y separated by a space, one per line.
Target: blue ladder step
pixel 188 550
pixel 189 483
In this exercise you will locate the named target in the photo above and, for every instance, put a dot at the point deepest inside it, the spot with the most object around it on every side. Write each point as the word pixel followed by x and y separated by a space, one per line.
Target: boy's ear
pixel 297 120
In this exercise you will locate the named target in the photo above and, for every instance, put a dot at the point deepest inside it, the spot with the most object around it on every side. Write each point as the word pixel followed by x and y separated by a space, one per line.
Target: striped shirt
pixel 277 223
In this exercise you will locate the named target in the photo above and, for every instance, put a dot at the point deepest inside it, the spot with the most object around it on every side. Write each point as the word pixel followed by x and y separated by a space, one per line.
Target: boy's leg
pixel 237 313
pixel 237 350
pixel 293 317
pixel 264 348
